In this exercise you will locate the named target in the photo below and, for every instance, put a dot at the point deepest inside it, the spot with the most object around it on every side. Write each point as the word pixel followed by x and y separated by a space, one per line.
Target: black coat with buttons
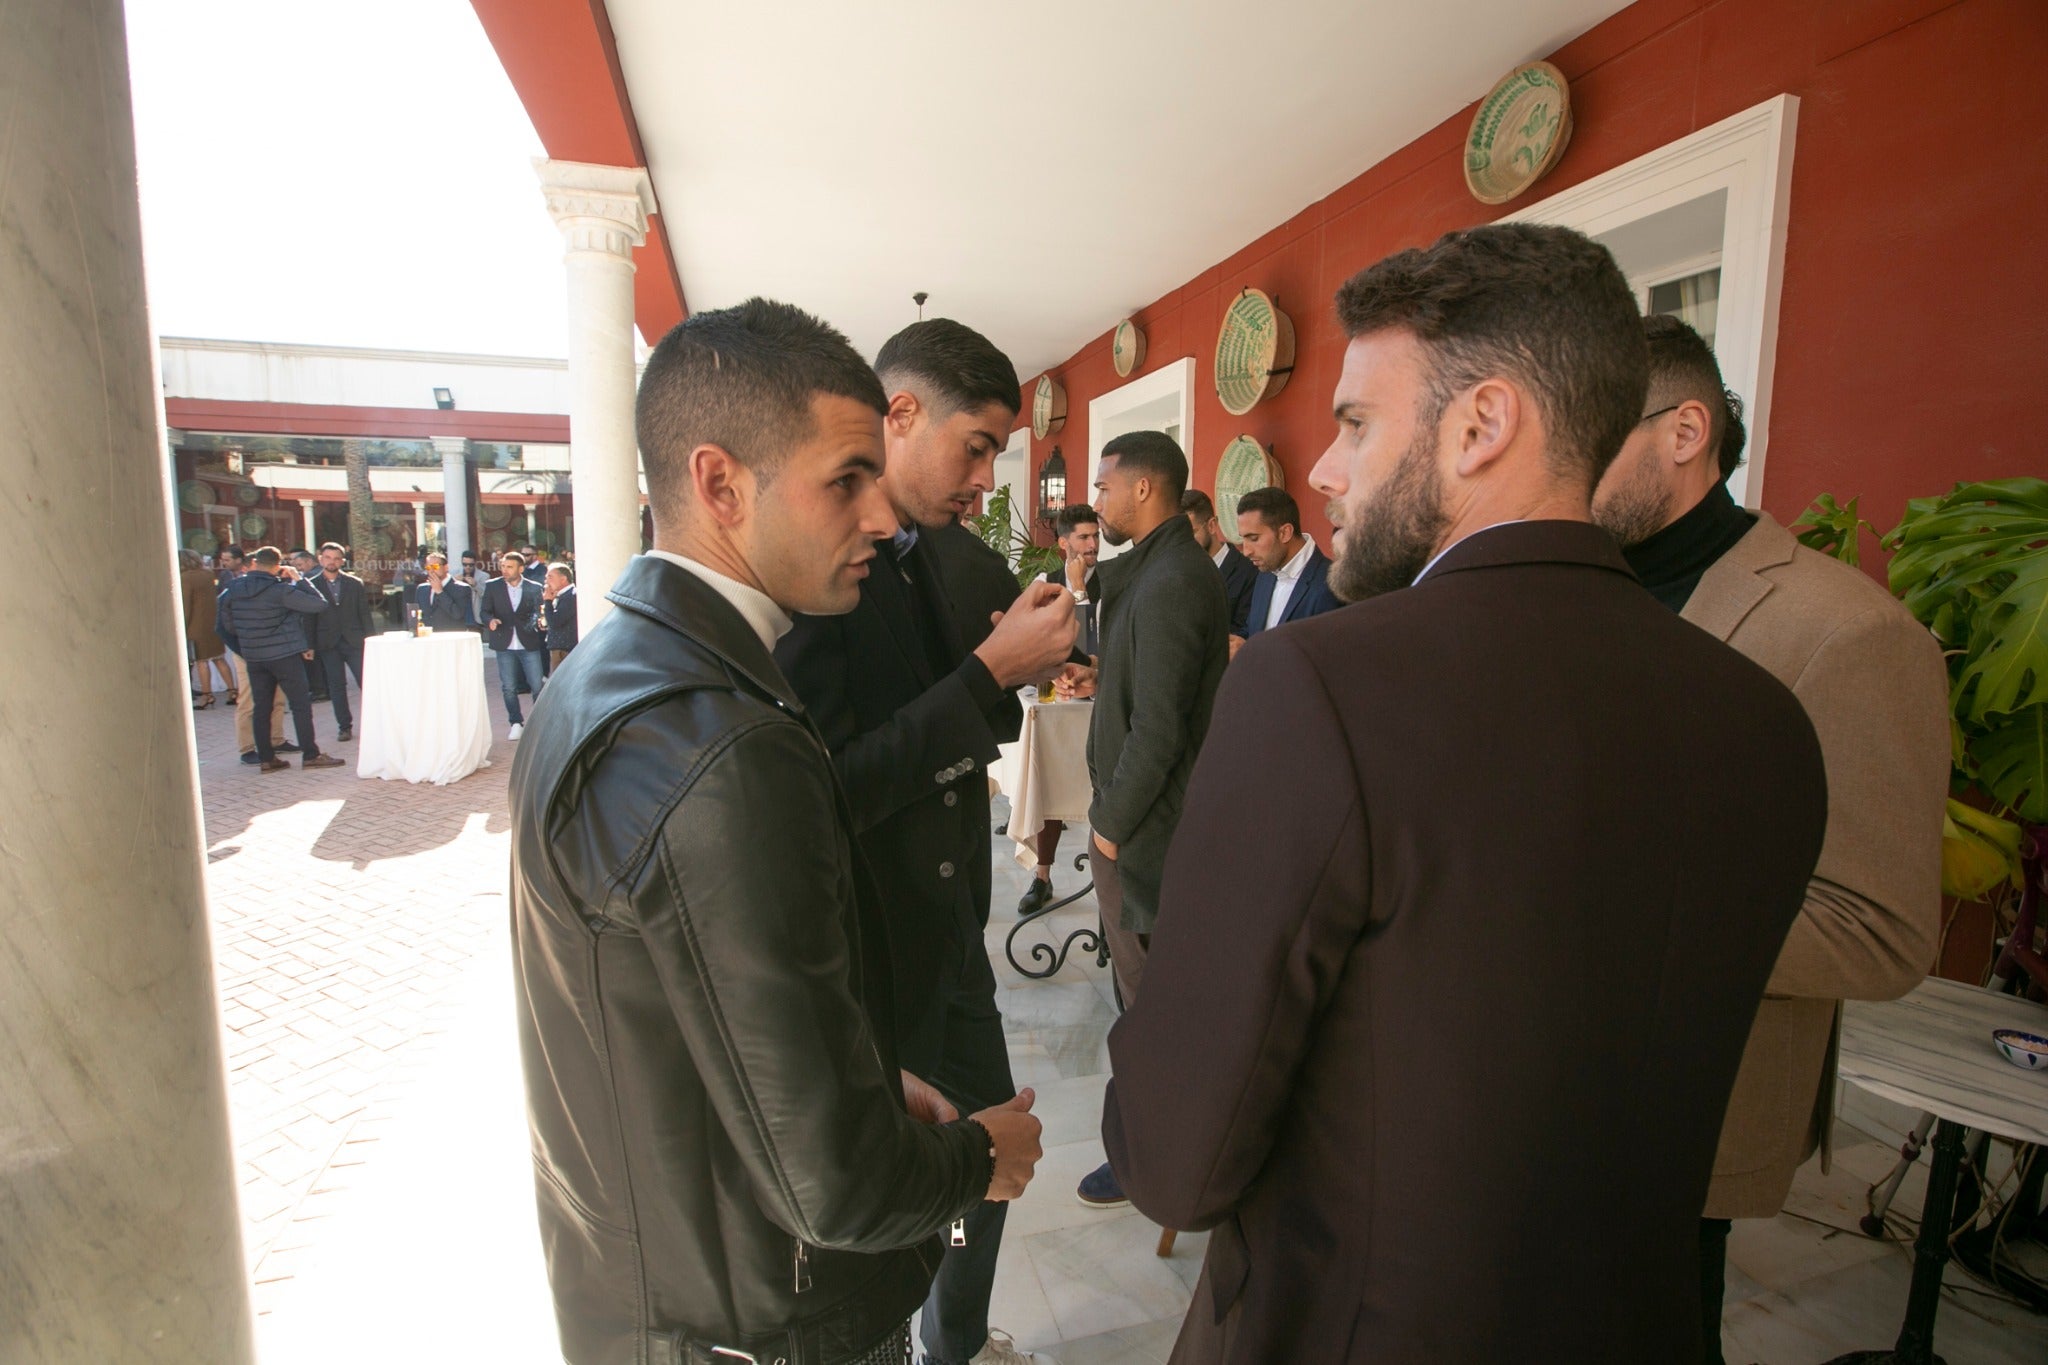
pixel 913 720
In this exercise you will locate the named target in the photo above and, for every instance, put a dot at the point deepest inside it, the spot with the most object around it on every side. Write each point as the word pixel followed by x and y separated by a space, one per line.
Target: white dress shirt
pixel 1285 578
pixel 767 620
pixel 1222 553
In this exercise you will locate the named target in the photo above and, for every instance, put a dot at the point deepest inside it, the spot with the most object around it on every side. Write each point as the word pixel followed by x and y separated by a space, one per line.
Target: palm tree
pixel 362 515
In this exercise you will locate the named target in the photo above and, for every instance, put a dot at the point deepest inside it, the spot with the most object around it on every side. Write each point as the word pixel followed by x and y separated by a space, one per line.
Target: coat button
pixel 952 798
pixel 941 777
pixel 945 869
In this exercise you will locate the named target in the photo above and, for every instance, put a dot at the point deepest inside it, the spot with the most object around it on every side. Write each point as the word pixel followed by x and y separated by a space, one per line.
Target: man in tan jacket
pixel 1874 686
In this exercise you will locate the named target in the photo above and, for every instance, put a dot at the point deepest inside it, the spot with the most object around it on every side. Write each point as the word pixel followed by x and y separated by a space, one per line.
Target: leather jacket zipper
pixel 803 1267
pixel 957 1236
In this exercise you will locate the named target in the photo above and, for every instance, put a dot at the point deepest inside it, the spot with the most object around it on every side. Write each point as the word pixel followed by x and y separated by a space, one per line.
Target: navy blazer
pixel 1240 580
pixel 1311 596
pixel 450 611
pixel 498 607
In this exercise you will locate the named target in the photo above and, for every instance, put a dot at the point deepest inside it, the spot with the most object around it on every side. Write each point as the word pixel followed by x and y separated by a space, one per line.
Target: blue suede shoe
pixel 1100 1189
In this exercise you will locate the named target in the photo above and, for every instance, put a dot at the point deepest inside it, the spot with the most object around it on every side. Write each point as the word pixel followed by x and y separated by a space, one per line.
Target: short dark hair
pixel 957 366
pixel 1072 515
pixel 333 545
pixel 1544 305
pixel 232 552
pixel 1152 453
pixel 741 379
pixel 1682 366
pixel 557 566
pixel 1195 503
pixel 512 554
pixel 1275 504
pixel 268 557
pixel 298 550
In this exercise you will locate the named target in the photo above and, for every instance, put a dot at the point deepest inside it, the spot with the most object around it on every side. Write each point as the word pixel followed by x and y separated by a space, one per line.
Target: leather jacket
pixel 721 1151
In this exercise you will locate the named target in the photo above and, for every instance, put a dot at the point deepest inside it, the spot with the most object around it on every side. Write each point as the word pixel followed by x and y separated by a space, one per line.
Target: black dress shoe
pixel 345 736
pixel 1037 898
pixel 251 759
pixel 282 748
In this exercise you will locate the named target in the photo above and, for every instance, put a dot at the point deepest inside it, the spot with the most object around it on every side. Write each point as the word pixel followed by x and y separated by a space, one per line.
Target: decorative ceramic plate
pixel 1518 134
pixel 1245 465
pixel 1254 352
pixel 1127 351
pixel 1048 407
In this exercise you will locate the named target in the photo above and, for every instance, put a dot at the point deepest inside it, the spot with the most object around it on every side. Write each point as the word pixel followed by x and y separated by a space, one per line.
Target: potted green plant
pixel 1972 566
pixel 1003 529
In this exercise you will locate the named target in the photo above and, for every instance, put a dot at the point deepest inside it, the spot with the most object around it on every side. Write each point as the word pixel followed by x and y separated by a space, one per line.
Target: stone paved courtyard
pixel 359 928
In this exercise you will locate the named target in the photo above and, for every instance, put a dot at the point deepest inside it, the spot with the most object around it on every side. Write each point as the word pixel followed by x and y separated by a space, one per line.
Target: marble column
pixel 602 212
pixel 531 526
pixel 122 1238
pixel 419 526
pixel 309 538
pixel 454 452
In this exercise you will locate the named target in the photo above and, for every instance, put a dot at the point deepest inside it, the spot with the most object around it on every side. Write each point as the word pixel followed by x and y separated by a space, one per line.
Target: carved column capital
pixel 601 210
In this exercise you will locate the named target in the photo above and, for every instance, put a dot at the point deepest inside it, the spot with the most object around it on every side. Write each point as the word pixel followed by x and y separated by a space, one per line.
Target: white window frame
pixel 1176 379
pixel 1750 156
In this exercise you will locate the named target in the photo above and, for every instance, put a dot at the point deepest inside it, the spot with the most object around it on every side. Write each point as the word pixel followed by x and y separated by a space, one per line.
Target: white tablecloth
pixel 1932 1051
pixel 1045 773
pixel 425 717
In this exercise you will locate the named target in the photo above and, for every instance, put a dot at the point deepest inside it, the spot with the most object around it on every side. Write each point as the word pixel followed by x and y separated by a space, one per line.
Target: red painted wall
pixel 1913 337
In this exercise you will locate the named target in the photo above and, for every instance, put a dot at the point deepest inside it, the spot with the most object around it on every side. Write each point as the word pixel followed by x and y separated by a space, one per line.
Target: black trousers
pixel 965 1056
pixel 1713 1285
pixel 346 655
pixel 266 677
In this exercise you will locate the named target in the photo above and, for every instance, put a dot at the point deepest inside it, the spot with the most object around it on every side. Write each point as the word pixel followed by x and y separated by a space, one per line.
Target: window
pixel 1693 299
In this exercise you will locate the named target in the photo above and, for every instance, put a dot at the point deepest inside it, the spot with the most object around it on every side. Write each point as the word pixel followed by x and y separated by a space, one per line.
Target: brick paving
pixel 344 914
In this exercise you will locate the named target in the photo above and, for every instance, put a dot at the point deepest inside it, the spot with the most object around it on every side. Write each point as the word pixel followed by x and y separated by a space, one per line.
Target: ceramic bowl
pixel 2029 1050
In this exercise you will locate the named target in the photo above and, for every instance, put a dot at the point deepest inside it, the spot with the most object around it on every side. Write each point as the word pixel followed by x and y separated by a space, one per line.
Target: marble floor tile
pixel 1779 1254
pixel 1050 1203
pixel 1103 1275
pixel 1149 1344
pixel 1859 1308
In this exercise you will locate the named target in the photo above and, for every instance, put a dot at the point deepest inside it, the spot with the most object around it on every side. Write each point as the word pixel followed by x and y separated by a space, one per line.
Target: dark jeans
pixel 963 1054
pixel 346 655
pixel 1713 1286
pixel 512 665
pixel 266 677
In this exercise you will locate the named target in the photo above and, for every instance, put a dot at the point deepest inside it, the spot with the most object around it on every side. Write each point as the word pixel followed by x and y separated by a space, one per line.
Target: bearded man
pixel 1403 1164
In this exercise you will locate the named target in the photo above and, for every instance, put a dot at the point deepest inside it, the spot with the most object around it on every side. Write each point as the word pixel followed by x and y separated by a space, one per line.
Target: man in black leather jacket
pixel 729 1163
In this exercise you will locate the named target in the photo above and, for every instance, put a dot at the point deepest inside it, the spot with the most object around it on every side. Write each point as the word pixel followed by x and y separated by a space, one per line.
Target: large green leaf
pixel 1831 527
pixel 1948 545
pixel 2007 666
pixel 2012 762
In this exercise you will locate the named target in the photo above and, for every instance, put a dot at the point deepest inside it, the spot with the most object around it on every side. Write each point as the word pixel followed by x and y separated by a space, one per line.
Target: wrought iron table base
pixel 1930 1253
pixel 1096 942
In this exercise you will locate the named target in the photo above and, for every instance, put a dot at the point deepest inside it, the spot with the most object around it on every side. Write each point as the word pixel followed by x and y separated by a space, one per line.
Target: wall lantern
pixel 444 399
pixel 1052 484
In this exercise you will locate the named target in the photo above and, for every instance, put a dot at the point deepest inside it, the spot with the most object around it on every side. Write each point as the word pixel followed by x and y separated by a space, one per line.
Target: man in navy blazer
pixel 1240 575
pixel 511 608
pixel 1293 574
pixel 444 603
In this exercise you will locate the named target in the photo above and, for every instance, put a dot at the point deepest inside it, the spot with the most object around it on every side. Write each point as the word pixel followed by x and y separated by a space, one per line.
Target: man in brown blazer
pixel 1439 1047
pixel 1873 684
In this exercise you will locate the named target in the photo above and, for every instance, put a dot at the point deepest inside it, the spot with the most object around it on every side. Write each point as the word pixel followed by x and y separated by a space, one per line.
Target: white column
pixel 602 212
pixel 454 451
pixel 531 526
pixel 419 525
pixel 117 1181
pixel 310 540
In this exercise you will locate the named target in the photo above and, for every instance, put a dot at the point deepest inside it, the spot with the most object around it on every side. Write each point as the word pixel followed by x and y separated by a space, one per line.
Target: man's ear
pixel 904 410
pixel 723 488
pixel 1488 417
pixel 1693 431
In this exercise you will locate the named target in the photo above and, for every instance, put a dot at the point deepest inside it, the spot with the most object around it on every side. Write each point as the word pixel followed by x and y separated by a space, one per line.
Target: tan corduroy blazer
pixel 1873 684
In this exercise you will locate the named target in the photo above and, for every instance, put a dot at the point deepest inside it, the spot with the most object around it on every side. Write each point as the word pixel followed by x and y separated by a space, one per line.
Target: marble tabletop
pixel 1932 1051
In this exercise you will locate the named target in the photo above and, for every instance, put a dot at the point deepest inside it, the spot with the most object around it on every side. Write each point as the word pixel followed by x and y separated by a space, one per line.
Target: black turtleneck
pixel 1672 562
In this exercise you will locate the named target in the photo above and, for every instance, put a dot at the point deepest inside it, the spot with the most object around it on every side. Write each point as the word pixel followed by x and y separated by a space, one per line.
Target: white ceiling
pixel 1043 169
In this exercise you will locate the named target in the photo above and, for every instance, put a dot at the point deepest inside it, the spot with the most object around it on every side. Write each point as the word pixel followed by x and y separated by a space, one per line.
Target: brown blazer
pixel 1873 684
pixel 201 593
pixel 1438 1039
